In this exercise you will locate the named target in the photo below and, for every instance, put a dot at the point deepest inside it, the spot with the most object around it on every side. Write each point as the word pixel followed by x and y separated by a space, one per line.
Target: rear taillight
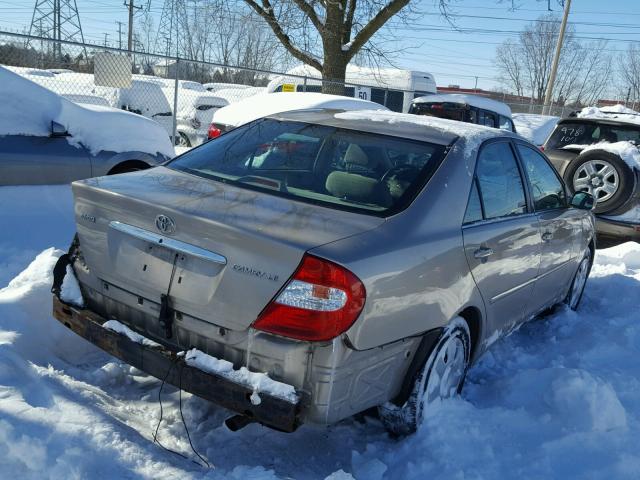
pixel 213 132
pixel 541 147
pixel 319 302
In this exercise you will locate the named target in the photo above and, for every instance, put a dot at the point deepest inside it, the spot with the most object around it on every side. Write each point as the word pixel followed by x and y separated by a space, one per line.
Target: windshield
pixel 316 163
pixel 567 135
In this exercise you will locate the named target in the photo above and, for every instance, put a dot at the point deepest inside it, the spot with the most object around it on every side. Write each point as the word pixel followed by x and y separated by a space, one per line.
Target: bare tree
pixel 629 67
pixel 525 64
pixel 327 34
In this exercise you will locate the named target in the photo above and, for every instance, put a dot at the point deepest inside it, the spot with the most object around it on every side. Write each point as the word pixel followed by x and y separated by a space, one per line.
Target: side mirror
pixel 58 130
pixel 583 201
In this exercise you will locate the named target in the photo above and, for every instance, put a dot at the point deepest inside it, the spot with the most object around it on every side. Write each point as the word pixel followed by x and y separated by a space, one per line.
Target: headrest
pixel 352 186
pixel 355 155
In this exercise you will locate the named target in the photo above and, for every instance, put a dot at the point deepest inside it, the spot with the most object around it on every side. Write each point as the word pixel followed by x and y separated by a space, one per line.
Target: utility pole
pixel 132 7
pixel 556 59
pixel 120 24
pixel 106 44
pixel 59 21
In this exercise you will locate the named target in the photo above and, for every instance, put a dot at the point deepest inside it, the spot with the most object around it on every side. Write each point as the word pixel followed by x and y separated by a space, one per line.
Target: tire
pixel 604 175
pixel 579 281
pixel 128 167
pixel 182 141
pixel 450 355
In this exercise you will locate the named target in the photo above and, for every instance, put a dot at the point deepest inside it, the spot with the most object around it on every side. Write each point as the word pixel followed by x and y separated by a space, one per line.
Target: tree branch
pixel 311 13
pixel 348 21
pixel 363 36
pixel 266 12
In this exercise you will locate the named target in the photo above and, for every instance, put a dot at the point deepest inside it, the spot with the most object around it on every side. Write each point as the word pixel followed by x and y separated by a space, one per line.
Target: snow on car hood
pixel 263 105
pixel 29 109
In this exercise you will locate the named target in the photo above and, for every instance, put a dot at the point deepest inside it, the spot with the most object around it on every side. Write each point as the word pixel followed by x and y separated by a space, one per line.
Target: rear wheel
pixel 182 140
pixel 579 281
pixel 441 377
pixel 604 175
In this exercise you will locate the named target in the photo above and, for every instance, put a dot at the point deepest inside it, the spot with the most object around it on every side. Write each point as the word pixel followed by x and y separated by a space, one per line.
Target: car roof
pixel 414 127
pixel 600 121
pixel 473 100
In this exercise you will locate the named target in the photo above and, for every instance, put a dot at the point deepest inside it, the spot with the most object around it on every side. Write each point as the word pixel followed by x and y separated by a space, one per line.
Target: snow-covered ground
pixel 560 398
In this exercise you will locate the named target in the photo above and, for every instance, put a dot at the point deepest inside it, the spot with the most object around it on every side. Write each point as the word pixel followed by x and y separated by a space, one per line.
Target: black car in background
pixel 614 181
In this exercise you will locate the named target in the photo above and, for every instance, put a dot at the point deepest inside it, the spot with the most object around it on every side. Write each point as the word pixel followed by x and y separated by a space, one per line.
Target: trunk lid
pixel 224 253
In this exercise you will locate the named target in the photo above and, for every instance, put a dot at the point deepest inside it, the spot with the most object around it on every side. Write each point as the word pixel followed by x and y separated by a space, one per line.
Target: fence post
pixel 304 87
pixel 175 102
pixel 386 95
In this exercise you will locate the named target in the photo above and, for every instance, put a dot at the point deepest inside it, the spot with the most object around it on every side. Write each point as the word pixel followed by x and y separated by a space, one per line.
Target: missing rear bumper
pixel 272 411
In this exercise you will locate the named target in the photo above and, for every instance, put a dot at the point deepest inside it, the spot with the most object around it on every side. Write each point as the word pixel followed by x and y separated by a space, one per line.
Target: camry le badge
pixel 165 224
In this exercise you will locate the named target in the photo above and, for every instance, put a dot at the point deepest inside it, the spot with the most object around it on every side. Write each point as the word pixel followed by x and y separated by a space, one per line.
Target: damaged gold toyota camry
pixel 311 265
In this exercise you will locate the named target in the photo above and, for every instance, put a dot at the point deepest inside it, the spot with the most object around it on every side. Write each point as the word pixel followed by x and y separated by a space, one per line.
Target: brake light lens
pixel 320 301
pixel 213 132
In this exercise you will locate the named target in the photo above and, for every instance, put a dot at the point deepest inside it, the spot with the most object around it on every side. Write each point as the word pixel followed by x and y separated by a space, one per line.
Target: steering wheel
pixel 405 172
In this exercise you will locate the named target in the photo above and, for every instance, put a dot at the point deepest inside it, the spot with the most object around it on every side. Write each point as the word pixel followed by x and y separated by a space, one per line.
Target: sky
pixel 429 43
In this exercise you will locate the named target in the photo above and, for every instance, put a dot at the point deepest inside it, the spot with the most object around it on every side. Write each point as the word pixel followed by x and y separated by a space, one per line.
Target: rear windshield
pixel 568 135
pixel 319 164
pixel 451 111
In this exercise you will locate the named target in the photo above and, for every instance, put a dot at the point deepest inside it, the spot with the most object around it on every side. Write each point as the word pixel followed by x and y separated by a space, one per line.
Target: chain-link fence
pixel 182 95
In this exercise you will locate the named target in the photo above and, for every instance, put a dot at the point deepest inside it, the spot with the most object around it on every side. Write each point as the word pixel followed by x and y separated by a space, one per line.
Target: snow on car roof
pixel 615 112
pixel 266 104
pixel 29 109
pixel 473 100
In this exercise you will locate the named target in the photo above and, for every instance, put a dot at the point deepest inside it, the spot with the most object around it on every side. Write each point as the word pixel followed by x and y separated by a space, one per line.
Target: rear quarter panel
pixel 413 266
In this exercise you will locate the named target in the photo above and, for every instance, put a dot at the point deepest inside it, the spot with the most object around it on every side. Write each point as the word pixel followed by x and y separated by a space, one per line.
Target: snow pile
pixel 535 128
pixel 615 112
pixel 29 109
pixel 116 326
pixel 258 382
pixel 70 289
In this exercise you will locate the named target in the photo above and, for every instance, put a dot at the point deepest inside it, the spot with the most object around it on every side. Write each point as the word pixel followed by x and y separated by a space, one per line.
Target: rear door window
pixel 500 181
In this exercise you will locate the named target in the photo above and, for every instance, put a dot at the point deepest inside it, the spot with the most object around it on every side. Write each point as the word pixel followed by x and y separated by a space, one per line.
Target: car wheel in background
pixel 182 140
pixel 579 281
pixel 441 377
pixel 604 175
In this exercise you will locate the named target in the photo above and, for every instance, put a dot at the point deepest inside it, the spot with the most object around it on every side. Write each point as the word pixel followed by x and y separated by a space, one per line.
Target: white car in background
pixel 535 128
pixel 258 106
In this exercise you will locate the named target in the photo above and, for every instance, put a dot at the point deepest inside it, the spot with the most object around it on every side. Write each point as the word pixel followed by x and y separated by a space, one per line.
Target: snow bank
pixel 258 382
pixel 535 128
pixel 116 326
pixel 29 109
pixel 617 112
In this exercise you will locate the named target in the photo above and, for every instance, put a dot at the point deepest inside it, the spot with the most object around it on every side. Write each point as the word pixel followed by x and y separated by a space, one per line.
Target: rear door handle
pixel 483 252
pixel 547 236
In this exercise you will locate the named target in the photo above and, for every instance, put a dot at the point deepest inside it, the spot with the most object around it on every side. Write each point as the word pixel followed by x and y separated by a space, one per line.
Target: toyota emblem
pixel 165 224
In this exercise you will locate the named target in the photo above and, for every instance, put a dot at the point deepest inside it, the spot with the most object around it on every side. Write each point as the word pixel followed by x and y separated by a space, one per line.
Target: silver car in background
pixel 360 259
